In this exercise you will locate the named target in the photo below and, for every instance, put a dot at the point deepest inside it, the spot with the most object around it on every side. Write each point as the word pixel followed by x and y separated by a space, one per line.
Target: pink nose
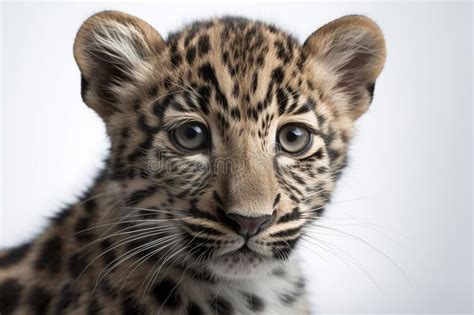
pixel 248 226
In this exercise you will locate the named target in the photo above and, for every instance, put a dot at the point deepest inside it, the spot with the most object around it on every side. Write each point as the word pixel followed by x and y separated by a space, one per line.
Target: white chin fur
pixel 241 268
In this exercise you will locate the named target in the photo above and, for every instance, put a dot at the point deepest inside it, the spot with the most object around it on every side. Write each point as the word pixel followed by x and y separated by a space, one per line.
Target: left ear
pixel 353 48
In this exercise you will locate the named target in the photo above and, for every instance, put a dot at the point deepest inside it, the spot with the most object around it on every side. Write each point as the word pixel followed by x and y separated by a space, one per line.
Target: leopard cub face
pixel 227 138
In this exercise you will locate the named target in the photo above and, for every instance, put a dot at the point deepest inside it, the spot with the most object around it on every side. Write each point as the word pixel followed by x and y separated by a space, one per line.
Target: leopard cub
pixel 227 139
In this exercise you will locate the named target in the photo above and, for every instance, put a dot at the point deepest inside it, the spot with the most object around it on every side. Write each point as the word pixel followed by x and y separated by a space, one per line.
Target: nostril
pixel 248 226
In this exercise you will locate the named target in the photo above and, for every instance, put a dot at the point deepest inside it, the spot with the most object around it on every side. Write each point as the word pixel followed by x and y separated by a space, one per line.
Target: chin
pixel 242 264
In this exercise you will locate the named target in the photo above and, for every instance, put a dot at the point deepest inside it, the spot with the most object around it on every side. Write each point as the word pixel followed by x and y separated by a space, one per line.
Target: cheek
pixel 183 177
pixel 306 184
pixel 292 182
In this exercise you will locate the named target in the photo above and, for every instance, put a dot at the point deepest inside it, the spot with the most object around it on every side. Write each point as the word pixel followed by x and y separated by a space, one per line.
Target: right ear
pixel 353 47
pixel 111 50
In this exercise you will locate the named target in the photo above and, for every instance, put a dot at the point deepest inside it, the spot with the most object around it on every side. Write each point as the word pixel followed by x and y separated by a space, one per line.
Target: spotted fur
pixel 151 236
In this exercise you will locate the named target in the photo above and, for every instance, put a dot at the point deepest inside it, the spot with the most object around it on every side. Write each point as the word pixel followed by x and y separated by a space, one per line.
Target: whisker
pixel 144 259
pixel 128 240
pixel 174 212
pixel 376 249
pixel 148 221
pixel 155 274
pixel 134 228
pixel 178 283
pixel 330 248
pixel 112 265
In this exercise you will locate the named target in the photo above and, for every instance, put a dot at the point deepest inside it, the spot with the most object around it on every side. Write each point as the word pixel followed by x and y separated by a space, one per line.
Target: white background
pixel 407 193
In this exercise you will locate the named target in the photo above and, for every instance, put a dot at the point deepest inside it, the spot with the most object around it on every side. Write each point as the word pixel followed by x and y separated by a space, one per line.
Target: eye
pixel 190 136
pixel 294 138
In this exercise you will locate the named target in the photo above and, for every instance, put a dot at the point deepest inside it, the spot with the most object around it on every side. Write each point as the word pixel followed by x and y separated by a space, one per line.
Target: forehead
pixel 235 70
pixel 236 42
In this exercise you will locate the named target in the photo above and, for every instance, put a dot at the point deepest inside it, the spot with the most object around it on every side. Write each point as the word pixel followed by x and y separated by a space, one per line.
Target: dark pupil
pixel 293 135
pixel 192 132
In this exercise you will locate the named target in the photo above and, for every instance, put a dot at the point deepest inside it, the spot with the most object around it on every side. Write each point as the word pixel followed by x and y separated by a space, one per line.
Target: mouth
pixel 243 255
pixel 234 257
pixel 243 251
pixel 241 263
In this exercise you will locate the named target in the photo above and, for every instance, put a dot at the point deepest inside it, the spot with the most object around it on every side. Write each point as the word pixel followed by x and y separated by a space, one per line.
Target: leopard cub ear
pixel 113 49
pixel 353 49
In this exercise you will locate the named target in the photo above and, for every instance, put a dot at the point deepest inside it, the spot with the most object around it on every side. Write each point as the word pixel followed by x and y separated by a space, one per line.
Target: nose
pixel 248 226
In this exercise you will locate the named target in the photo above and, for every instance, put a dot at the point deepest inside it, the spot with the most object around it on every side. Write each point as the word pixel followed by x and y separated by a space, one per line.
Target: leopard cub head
pixel 227 138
